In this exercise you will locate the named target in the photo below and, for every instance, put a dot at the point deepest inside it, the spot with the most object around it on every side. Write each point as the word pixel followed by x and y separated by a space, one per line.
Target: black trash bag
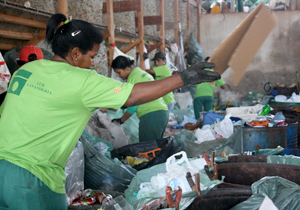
pixel 166 145
pixel 102 173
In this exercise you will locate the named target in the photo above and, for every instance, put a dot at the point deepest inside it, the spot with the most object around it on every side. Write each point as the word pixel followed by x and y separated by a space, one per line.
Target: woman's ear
pixel 75 53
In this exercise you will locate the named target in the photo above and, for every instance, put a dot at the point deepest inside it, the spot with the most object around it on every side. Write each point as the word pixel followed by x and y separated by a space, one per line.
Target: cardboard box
pixel 239 48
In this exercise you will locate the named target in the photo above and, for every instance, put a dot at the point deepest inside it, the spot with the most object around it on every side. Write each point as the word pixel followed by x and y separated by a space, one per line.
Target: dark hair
pixel 31 57
pixel 74 33
pixel 121 62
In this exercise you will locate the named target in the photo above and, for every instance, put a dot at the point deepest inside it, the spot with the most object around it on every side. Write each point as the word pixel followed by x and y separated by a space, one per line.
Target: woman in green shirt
pixel 154 115
pixel 48 105
pixel 161 71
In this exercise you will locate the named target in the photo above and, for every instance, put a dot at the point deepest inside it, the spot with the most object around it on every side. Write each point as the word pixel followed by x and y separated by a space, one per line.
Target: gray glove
pixel 196 74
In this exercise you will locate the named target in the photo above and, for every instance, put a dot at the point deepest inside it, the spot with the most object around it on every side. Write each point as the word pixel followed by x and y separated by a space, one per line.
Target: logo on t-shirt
pixel 19 81
pixel 117 90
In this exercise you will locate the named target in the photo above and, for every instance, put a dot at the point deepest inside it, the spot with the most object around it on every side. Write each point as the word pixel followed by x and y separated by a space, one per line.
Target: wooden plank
pixel 188 24
pixel 130 47
pixel 232 5
pixel 106 34
pixel 37 39
pixel 150 20
pixel 111 31
pixel 141 34
pixel 5 46
pixel 176 21
pixel 154 47
pixel 123 6
pixel 130 40
pixel 176 31
pixel 63 7
pixel 22 21
pixel 16 35
pixel 162 26
pixel 199 7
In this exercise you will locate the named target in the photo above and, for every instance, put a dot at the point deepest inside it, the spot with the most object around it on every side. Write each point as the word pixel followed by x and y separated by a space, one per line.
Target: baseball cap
pixel 28 50
pixel 159 56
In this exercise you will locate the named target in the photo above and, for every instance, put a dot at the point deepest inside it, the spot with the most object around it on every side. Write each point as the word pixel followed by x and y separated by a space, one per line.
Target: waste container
pixel 265 137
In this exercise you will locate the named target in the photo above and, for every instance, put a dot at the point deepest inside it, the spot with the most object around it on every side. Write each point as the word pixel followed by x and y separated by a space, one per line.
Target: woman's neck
pixel 60 59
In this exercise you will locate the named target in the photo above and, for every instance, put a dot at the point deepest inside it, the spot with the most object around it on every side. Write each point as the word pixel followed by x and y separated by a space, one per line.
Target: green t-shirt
pixel 206 89
pixel 137 75
pixel 162 72
pixel 46 109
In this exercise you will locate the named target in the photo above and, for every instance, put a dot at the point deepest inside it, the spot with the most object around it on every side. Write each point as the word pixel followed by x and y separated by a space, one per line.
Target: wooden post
pixel 188 25
pixel 198 19
pixel 232 5
pixel 176 30
pixel 162 26
pixel 141 34
pixel 63 7
pixel 111 30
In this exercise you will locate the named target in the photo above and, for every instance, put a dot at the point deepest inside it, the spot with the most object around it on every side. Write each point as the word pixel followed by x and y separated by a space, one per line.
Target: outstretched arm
pixel 149 91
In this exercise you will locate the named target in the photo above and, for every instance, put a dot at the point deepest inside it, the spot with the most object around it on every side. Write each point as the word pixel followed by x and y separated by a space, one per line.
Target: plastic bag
pixel 284 194
pixel 101 172
pixel 183 99
pixel 210 118
pixel 231 145
pixel 225 127
pixel 195 51
pixel 130 126
pixel 4 75
pixel 100 126
pixel 141 190
pixel 171 66
pixel 74 172
pixel 204 135
pixel 166 145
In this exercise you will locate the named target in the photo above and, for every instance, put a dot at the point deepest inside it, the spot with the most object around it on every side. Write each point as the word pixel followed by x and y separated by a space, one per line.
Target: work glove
pixel 117 121
pixel 196 74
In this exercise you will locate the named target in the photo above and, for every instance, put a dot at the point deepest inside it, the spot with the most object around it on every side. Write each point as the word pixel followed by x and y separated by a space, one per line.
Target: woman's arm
pixel 149 91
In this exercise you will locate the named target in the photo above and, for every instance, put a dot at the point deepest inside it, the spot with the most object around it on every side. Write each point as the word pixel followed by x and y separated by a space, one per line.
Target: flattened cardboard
pixel 240 47
pixel 257 33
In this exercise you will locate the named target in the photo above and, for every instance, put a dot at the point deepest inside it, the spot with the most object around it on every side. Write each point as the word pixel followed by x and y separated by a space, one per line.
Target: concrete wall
pixel 276 61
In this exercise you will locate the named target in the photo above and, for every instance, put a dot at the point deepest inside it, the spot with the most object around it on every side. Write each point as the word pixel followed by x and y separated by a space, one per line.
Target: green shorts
pixel 20 189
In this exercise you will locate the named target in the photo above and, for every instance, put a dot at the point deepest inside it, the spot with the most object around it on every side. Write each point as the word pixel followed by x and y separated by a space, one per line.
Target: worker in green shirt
pixel 48 105
pixel 154 115
pixel 161 71
pixel 204 95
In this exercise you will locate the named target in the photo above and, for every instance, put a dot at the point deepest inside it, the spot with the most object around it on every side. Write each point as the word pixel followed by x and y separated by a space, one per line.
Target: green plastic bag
pixel 284 194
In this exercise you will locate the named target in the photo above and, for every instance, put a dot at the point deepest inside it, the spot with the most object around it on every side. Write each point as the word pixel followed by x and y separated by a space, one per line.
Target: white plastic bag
pixel 176 174
pixel 204 135
pixel 184 99
pixel 4 75
pixel 225 127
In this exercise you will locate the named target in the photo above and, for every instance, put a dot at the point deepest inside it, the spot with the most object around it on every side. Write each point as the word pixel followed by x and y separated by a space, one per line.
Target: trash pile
pixel 110 169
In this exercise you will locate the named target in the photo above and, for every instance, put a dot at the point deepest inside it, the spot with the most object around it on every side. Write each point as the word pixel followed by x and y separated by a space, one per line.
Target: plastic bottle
pixel 265 110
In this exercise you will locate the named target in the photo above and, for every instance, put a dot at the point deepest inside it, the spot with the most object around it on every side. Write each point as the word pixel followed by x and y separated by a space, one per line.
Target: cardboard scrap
pixel 239 48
